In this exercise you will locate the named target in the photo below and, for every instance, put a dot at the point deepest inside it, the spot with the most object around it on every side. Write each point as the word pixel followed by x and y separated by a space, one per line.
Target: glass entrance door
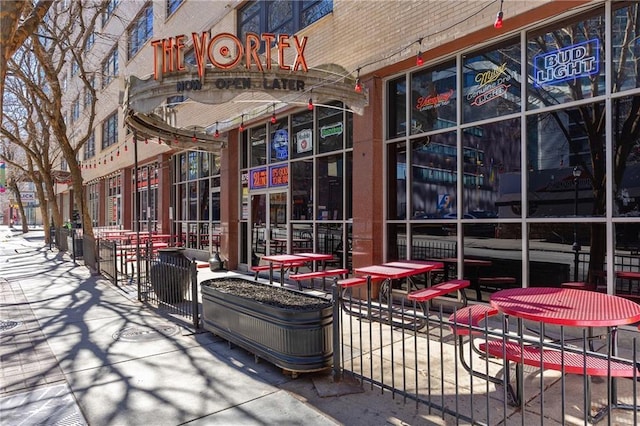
pixel 268 225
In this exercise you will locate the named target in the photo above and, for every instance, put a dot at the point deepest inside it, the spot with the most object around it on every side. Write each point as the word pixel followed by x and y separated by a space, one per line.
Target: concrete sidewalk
pixel 75 350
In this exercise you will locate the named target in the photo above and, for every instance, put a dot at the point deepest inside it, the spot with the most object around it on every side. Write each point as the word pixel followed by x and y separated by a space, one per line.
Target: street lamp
pixel 576 247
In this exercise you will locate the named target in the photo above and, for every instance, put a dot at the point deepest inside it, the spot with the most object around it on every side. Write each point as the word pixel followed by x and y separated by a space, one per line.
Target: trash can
pixel 170 275
pixel 173 255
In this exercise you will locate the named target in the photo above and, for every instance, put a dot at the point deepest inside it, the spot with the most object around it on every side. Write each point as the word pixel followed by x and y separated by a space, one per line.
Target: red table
pixel 566 306
pixel 569 307
pixel 396 270
pixel 419 266
pixel 289 260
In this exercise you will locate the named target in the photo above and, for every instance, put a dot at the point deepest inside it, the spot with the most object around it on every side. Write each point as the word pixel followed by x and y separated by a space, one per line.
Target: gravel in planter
pixel 273 296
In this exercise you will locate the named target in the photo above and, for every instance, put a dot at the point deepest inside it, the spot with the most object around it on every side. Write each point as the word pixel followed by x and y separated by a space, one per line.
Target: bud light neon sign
pixel 568 63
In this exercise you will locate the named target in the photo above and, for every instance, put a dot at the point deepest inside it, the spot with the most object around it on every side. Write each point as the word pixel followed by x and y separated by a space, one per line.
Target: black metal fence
pixel 429 367
pixel 172 286
pixel 108 260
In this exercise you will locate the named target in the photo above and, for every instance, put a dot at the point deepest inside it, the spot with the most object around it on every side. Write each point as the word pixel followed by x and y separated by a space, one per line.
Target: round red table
pixel 566 306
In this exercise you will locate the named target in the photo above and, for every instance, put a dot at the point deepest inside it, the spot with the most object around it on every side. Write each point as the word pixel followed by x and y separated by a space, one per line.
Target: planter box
pixel 288 328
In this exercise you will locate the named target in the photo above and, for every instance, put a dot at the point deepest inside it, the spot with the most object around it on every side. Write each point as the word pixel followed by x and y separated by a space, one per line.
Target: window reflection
pixel 397 116
pixel 625 47
pixel 279 142
pixel 331 127
pixel 397 178
pixel 491 168
pixel 301 190
pixel 567 162
pixel 433 176
pixel 626 161
pixel 433 98
pixel 491 82
pixel 302 134
pixel 330 188
pixel 258 145
pixel 566 63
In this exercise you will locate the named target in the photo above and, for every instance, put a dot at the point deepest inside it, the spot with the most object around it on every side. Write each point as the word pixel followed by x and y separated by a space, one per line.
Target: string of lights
pixel 358 85
pixel 308 93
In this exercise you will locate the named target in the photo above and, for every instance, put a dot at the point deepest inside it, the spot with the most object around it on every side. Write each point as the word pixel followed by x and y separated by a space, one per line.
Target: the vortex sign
pixel 226 51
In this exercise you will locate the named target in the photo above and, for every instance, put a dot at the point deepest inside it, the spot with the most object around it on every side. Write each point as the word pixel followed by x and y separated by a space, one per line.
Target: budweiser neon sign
pixel 226 51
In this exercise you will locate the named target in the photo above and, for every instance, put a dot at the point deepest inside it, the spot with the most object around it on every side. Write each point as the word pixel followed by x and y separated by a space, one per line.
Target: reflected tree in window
pixel 568 64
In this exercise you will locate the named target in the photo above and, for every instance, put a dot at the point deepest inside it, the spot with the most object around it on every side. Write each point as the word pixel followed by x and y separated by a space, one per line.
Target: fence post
pixel 337 369
pixel 114 259
pixel 73 245
pixel 193 271
pixel 97 254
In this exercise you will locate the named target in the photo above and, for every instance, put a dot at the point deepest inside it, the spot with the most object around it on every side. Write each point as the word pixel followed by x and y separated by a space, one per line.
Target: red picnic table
pixel 396 270
pixel 575 308
pixel 291 260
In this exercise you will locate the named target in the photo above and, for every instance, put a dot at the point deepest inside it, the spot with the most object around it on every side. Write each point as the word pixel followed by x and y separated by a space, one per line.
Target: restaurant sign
pixel 279 175
pixel 568 63
pixel 225 51
pixel 258 178
pixel 276 176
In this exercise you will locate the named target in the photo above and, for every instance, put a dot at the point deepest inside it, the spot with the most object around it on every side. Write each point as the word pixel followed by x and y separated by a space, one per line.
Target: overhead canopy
pixel 143 97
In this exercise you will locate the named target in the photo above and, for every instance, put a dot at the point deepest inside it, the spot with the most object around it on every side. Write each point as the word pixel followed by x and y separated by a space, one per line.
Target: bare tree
pixel 591 117
pixel 60 46
pixel 25 127
pixel 18 20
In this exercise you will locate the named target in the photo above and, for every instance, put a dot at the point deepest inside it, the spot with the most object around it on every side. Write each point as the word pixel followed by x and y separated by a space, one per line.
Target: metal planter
pixel 295 338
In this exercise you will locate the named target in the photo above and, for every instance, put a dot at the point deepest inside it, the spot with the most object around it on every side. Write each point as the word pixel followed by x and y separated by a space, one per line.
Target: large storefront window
pixel 491 82
pixel 571 156
pixel 197 200
pixel 148 189
pixel 93 202
pixel 433 98
pixel 114 200
pixel 566 63
pixel 299 198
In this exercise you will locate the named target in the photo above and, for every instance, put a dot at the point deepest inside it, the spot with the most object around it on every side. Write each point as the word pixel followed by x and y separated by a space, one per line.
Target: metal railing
pixel 172 286
pixel 107 260
pixel 423 366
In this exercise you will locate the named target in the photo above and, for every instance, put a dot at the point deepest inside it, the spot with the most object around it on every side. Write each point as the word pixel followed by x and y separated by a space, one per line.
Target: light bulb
pixel 498 23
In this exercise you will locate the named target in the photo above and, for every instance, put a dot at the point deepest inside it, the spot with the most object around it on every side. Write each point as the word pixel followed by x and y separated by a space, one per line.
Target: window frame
pixel 110 67
pixel 110 130
pixel 299 9
pixel 140 31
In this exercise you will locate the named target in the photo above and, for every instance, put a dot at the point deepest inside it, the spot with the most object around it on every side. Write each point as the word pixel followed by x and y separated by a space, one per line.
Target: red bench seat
pixel 318 274
pixel 352 282
pixel 439 290
pixel 470 316
pixel 550 359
